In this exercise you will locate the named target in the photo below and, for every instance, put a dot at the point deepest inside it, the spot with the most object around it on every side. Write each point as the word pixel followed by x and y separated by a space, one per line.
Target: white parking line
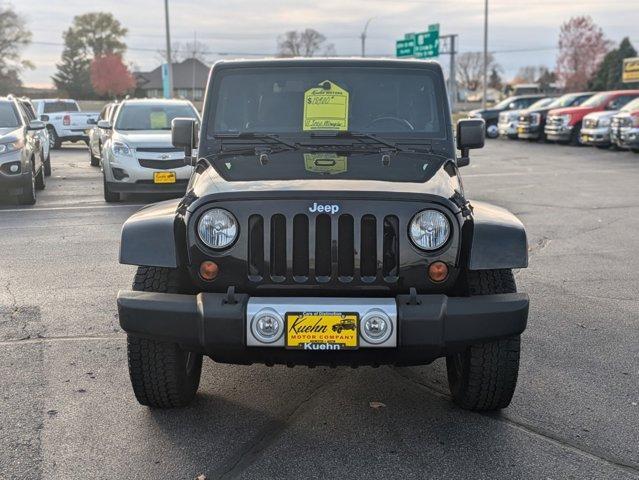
pixel 82 207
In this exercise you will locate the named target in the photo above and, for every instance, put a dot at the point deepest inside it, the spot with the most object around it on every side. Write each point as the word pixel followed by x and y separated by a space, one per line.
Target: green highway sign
pixel 419 45
pixel 404 48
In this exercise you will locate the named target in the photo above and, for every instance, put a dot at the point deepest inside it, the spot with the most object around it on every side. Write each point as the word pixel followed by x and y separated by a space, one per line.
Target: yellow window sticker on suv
pixel 326 107
pixel 158 120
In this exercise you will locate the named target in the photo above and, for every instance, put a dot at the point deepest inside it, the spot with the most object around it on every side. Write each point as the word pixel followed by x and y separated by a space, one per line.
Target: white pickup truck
pixel 65 121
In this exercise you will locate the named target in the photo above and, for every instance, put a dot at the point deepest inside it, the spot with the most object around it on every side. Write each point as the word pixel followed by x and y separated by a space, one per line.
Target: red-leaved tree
pixel 582 46
pixel 110 76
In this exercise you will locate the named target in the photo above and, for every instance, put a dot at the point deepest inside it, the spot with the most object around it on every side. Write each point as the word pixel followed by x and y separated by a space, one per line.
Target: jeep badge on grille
pixel 332 209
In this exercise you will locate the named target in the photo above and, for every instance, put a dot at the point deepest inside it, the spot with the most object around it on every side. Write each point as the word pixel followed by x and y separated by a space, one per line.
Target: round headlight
pixel 217 228
pixel 429 229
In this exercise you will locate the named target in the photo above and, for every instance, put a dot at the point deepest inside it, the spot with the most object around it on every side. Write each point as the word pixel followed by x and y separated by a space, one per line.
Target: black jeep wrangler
pixel 323 190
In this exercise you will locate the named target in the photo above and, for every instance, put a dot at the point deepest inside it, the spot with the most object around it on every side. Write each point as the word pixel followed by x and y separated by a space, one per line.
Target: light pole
pixel 168 48
pixel 485 82
pixel 363 36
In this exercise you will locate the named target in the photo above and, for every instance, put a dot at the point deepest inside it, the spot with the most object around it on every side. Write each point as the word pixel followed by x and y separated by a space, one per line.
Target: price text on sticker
pixel 326 107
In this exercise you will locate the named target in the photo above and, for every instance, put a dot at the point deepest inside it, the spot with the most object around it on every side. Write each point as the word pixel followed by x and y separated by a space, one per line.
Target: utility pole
pixel 363 36
pixel 485 82
pixel 452 74
pixel 193 62
pixel 168 48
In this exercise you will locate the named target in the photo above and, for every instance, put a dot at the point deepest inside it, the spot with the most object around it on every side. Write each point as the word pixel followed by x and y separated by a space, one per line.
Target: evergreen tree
pixel 73 75
pixel 608 75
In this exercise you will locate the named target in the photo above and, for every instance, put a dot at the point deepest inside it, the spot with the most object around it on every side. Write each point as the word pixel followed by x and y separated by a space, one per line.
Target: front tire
pixel 28 197
pixel 55 140
pixel 95 161
pixel 47 165
pixel 109 196
pixel 492 131
pixel 162 374
pixel 484 376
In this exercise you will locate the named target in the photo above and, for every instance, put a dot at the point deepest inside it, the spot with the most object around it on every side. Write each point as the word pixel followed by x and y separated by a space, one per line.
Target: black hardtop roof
pixel 329 62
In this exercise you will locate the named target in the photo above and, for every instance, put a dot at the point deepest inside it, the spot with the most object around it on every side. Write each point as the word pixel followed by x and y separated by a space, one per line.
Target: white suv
pixel 138 156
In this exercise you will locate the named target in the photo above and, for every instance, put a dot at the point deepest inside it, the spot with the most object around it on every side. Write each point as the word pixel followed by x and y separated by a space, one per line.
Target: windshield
pixel 632 106
pixel 8 116
pixel 61 106
pixel 596 100
pixel 542 103
pixel 149 116
pixel 504 103
pixel 301 100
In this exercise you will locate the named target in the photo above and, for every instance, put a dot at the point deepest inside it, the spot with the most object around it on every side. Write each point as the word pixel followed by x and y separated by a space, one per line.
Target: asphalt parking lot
pixel 67 410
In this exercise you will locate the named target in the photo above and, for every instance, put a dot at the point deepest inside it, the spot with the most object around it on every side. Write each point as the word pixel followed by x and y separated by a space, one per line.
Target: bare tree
pixel 181 52
pixel 470 68
pixel 527 74
pixel 582 47
pixel 307 43
pixel 14 36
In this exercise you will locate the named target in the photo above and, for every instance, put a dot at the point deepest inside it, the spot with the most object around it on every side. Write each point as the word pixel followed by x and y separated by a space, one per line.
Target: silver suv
pixel 22 163
pixel 138 156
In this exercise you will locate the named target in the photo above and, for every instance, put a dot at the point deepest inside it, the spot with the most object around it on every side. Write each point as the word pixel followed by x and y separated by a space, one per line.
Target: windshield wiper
pixel 266 138
pixel 361 136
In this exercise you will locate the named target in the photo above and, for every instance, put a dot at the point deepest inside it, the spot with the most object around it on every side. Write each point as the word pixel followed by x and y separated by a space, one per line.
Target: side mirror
pixel 184 134
pixel 44 118
pixel 471 133
pixel 36 125
pixel 104 124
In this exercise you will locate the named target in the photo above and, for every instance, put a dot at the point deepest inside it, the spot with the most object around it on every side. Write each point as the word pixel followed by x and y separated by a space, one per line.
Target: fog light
pixel 209 270
pixel 267 326
pixel 438 271
pixel 14 168
pixel 376 327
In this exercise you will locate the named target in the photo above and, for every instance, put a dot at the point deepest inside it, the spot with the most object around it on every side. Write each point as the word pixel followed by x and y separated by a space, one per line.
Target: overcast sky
pixel 240 28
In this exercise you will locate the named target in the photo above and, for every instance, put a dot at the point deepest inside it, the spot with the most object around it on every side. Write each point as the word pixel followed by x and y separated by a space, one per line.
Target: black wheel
pixel 55 140
pixel 28 196
pixel 47 165
pixel 109 196
pixel 162 374
pixel 484 376
pixel 575 136
pixel 635 150
pixel 95 161
pixel 39 179
pixel 492 131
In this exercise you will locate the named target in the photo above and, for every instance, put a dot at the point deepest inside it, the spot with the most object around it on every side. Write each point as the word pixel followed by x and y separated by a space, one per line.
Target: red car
pixel 564 124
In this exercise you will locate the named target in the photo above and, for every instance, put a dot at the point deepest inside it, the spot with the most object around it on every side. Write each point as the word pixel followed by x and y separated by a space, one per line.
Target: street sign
pixel 427 44
pixel 404 48
pixel 419 45
pixel 630 70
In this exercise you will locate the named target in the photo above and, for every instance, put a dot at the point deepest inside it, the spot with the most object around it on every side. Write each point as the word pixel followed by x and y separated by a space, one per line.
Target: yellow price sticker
pixel 326 107
pixel 158 120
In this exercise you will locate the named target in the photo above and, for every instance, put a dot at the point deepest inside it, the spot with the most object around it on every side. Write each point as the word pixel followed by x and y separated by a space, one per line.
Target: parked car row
pixel 601 119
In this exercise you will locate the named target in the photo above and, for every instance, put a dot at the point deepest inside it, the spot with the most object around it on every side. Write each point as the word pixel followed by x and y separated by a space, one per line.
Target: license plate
pixel 322 330
pixel 521 129
pixel 164 177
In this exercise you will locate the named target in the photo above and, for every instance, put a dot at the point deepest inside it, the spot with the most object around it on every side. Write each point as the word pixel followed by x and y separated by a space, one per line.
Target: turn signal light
pixel 438 271
pixel 209 270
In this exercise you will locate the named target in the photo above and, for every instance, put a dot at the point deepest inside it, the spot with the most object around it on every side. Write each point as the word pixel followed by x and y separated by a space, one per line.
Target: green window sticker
pixel 326 107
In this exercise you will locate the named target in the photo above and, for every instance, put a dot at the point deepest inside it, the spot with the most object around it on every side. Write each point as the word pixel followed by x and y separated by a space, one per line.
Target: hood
pixel 600 115
pixel 572 111
pixel 7 134
pixel 291 172
pixel 144 138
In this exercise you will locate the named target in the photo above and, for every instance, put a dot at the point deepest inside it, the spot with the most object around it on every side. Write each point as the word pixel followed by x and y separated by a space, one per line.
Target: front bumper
pixel 147 186
pixel 12 184
pixel 428 327
pixel 626 137
pixel 558 133
pixel 528 131
pixel 507 129
pixel 595 136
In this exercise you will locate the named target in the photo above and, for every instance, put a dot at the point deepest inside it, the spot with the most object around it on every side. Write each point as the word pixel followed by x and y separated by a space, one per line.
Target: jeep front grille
pixel 323 248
